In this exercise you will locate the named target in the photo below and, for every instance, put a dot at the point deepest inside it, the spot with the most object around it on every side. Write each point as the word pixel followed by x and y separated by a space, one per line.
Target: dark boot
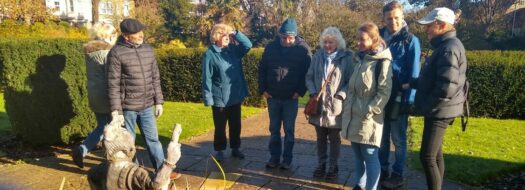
pixel 332 172
pixel 384 175
pixel 394 181
pixel 219 156
pixel 237 153
pixel 78 158
pixel 320 171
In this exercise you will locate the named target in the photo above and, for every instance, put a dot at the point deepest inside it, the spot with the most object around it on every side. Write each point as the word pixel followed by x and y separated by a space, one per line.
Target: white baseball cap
pixel 441 13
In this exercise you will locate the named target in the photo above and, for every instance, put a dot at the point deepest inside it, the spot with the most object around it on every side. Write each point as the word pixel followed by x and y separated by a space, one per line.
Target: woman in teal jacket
pixel 224 86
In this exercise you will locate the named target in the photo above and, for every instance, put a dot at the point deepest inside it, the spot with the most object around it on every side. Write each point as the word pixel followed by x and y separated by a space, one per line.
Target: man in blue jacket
pixel 282 71
pixel 406 52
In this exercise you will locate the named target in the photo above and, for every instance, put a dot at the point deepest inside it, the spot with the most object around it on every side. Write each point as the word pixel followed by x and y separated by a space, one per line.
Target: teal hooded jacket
pixel 223 81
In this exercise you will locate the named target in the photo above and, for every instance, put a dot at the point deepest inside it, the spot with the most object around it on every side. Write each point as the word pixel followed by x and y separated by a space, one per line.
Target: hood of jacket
pixel 96 45
pixel 383 53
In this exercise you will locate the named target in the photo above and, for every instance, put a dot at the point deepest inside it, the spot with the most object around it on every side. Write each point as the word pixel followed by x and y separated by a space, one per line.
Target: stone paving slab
pixel 190 180
pixel 216 180
pixel 196 164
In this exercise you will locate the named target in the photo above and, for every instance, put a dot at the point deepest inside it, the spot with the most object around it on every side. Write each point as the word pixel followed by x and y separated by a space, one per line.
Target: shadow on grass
pixel 5 126
pixel 468 169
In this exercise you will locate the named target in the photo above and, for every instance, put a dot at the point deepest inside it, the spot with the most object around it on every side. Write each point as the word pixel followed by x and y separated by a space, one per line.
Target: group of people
pixel 365 96
pixel 123 82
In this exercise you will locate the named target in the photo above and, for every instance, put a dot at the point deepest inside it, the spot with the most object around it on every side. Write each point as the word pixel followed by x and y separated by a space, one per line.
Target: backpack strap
pixel 466 106
pixel 377 70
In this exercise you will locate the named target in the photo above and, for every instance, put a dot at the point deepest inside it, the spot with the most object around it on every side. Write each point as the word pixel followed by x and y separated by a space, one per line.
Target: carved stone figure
pixel 120 172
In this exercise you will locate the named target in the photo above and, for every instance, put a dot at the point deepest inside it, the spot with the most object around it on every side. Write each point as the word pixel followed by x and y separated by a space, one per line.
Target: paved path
pixel 196 164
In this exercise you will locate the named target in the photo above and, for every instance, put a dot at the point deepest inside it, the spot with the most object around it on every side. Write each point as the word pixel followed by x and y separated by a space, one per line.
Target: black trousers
pixel 431 155
pixel 232 116
pixel 324 136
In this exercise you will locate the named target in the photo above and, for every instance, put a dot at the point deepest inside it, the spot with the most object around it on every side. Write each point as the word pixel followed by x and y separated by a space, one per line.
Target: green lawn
pixel 5 126
pixel 195 119
pixel 487 149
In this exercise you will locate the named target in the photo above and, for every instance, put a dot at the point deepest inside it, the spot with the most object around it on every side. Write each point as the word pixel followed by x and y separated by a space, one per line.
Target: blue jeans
pixel 367 169
pixel 282 111
pixel 97 134
pixel 397 129
pixel 147 124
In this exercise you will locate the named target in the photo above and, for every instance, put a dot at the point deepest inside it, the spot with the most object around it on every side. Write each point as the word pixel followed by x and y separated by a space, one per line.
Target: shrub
pixel 45 89
pixel 181 74
pixel 10 29
pixel 497 81
pixel 496 77
pixel 46 96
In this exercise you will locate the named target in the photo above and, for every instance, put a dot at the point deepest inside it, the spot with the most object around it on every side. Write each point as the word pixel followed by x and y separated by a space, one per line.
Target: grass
pixel 195 119
pixel 488 149
pixel 5 126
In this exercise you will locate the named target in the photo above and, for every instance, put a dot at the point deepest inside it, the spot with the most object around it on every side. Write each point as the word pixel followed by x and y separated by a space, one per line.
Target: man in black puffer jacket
pixel 134 86
pixel 282 71
pixel 440 90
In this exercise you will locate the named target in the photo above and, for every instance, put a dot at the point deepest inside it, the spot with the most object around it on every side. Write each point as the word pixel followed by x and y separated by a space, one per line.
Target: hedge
pixel 181 74
pixel 497 81
pixel 45 96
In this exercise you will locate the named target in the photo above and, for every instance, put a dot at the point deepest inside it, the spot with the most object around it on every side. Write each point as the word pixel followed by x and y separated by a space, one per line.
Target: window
pixel 106 8
pixel 57 4
pixel 71 7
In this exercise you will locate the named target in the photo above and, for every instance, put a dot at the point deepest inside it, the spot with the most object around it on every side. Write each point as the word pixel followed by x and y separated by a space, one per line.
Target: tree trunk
pixel 94 11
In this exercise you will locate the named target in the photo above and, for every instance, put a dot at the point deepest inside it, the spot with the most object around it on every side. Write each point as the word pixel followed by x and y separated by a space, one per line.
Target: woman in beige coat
pixel 368 92
pixel 331 56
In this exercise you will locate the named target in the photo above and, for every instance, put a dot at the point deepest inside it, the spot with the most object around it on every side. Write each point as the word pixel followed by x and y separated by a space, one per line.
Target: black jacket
pixel 440 88
pixel 282 70
pixel 133 77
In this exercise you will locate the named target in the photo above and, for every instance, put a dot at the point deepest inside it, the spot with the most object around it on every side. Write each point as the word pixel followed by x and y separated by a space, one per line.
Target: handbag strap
pixel 323 88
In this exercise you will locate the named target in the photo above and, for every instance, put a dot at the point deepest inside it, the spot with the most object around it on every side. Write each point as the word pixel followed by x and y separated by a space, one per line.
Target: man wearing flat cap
pixel 134 86
pixel 440 90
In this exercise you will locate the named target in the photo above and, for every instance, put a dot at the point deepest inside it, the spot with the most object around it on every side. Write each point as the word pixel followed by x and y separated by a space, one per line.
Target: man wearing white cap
pixel 440 90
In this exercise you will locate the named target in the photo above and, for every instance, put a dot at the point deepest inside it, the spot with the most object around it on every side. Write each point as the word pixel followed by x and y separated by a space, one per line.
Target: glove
pixel 173 150
pixel 158 110
pixel 116 117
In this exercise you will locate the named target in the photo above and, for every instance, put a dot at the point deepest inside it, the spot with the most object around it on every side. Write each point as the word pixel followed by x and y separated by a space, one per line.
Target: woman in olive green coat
pixel 363 110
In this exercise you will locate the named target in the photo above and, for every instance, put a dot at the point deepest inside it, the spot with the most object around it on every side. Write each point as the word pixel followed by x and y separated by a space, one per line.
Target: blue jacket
pixel 406 52
pixel 282 70
pixel 223 82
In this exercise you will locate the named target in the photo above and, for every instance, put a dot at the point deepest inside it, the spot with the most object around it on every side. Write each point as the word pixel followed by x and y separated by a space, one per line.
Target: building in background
pixel 81 12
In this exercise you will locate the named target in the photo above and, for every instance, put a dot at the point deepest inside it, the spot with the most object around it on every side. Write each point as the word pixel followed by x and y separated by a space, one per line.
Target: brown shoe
pixel 175 175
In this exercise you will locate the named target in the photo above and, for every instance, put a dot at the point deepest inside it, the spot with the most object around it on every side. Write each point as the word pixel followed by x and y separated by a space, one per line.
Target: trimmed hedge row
pixel 497 81
pixel 181 75
pixel 44 82
pixel 46 98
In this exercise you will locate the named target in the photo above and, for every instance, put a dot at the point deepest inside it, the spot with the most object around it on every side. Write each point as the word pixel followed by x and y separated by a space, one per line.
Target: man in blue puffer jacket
pixel 405 49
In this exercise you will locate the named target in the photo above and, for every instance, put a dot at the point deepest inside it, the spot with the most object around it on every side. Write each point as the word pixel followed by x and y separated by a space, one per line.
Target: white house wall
pixel 82 10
